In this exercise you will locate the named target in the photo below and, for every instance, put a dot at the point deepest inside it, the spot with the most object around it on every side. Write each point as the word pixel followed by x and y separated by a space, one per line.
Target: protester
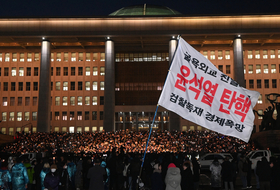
pixel 242 170
pixel 187 177
pixel 157 180
pixel 196 172
pixel 227 174
pixel 216 169
pixel 5 179
pixel 263 171
pixel 51 180
pixel 65 179
pixel 173 178
pixel 45 170
pixel 30 173
pixel 96 175
pixel 19 175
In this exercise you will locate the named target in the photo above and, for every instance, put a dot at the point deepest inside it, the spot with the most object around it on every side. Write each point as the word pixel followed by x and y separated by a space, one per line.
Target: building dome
pixel 145 10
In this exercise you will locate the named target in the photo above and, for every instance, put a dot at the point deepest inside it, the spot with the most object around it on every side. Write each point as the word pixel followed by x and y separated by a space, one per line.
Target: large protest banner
pixel 197 91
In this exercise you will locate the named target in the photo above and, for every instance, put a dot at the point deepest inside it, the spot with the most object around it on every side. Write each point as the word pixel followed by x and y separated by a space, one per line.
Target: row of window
pixel 261 69
pixel 86 86
pixel 260 83
pixel 64 116
pixel 271 97
pixel 58 71
pixel 73 101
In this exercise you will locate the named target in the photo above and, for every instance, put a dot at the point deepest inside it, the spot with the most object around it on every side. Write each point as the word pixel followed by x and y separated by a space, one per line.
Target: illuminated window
pixel 14 55
pixel 56 129
pixel 7 57
pixel 86 129
pixel 21 57
pixel 87 100
pixel 79 130
pixel 265 68
pixel 227 54
pixel 250 69
pixel 11 131
pixel 4 116
pixel 72 116
pixel 56 116
pixel 57 100
pixel 36 57
pixel 64 100
pixel 102 56
pixel 52 57
pixel 0 57
pixel 220 54
pixel 29 57
pixel 265 56
pixel 81 56
pixel 87 56
pixel 95 57
pixel 184 128
pixel 80 100
pixel 260 112
pixel 57 86
pixel 73 56
pixel 212 55
pixel 12 116
pixel 102 71
pixel 19 116
pixel 14 71
pixel 102 85
pixel 278 53
pixel 58 57
pixel 65 56
pixel 21 72
pixel 26 116
pixel 273 68
pixel 257 54
pixel 205 54
pixel 272 54
pixel 5 101
pixel 64 129
pixel 65 86
pixel 72 100
pixel 79 115
pixel 94 85
pixel 87 86
pixel 64 116
pixel 3 130
pixel 101 128
pixel 94 100
pixel 94 129
pixel 95 71
pixel 258 69
pixel 87 71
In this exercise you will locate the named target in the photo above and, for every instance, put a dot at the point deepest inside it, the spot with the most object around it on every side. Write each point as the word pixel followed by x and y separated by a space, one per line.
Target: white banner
pixel 197 91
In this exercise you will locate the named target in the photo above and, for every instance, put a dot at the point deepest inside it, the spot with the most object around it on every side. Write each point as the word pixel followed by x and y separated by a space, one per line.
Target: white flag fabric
pixel 197 91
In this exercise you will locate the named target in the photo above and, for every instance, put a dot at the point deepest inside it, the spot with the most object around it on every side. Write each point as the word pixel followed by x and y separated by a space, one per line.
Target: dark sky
pixel 89 8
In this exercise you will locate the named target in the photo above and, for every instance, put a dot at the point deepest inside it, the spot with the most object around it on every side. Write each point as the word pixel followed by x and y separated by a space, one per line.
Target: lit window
pixel 272 54
pixel 260 112
pixel 95 56
pixel 102 71
pixel 278 53
pixel 64 116
pixel 95 71
pixel 56 129
pixel 3 130
pixel 73 56
pixel 87 100
pixel 36 57
pixel 273 68
pixel 4 116
pixel 21 72
pixel 58 57
pixel 87 71
pixel 57 100
pixel 220 54
pixel 102 86
pixel 87 56
pixel 257 54
pixel 80 100
pixel 7 57
pixel 244 69
pixel 64 129
pixel 79 130
pixel 94 129
pixel 250 69
pixel 94 85
pixel 81 56
pixel 52 57
pixel 86 129
pixel 19 116
pixel 79 115
pixel 227 54
pixel 265 68
pixel 65 56
pixel 205 54
pixel 212 55
pixel 12 116
pixel 5 101
pixel 29 57
pixel 265 56
pixel 94 100
pixel 258 69
pixel 72 116
pixel 72 100
pixel 14 55
pixel 65 86
pixel 14 71
pixel 87 86
pixel 56 116
pixel 26 116
pixel 21 57
pixel 102 56
pixel 11 131
pixel 0 57
pixel 64 100
pixel 57 85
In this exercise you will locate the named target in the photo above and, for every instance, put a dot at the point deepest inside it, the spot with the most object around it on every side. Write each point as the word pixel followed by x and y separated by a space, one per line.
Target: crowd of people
pixel 131 142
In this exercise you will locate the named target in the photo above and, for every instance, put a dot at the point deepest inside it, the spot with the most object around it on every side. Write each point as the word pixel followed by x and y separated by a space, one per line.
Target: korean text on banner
pixel 197 91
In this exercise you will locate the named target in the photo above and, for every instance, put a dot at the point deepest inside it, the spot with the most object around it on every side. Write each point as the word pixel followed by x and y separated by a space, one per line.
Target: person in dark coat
pixel 216 170
pixel 227 173
pixel 187 177
pixel 157 180
pixel 196 172
pixel 249 173
pixel 65 181
pixel 51 180
pixel 263 171
pixel 96 176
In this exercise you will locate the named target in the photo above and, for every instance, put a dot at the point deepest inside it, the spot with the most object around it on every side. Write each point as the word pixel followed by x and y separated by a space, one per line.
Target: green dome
pixel 145 10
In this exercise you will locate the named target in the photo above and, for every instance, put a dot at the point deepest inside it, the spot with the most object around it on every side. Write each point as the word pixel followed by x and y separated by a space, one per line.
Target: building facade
pixel 90 74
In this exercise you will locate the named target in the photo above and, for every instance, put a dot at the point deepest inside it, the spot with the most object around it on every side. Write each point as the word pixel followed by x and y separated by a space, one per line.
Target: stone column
pixel 44 104
pixel 109 93
pixel 174 119
pixel 238 61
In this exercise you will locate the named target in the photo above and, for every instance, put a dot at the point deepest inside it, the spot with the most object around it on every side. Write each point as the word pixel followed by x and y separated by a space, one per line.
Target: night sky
pixel 93 8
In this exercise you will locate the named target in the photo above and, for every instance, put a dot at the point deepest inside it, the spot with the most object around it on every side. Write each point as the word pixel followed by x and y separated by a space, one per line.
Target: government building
pixel 107 73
